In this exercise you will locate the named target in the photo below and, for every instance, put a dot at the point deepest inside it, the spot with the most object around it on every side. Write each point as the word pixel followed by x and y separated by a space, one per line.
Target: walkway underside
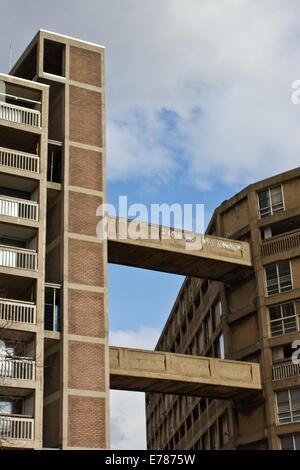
pixel 178 374
pixel 159 248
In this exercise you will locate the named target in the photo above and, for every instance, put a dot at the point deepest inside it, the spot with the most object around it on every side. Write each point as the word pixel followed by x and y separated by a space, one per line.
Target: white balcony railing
pixel 19 160
pixel 18 258
pixel 285 371
pixel 18 312
pixel 20 115
pixel 20 208
pixel 16 427
pixel 17 368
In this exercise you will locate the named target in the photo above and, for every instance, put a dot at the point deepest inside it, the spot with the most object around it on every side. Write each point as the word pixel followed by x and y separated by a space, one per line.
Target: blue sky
pixel 198 99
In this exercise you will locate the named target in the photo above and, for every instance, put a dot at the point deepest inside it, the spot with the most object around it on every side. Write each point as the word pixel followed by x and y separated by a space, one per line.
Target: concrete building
pixel 254 318
pixel 54 378
pixel 238 307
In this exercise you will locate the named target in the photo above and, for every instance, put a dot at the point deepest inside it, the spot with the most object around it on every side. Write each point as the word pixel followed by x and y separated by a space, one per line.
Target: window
pixel 288 406
pixel 278 278
pixel 270 201
pixel 52 307
pixel 283 319
pixel 54 170
pixel 291 442
pixel 10 406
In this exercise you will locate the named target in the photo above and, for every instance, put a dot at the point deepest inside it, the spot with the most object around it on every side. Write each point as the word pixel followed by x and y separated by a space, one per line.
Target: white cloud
pixel 233 60
pixel 127 409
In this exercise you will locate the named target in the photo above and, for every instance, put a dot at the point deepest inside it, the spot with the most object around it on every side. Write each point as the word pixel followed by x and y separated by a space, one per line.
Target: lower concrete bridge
pixel 164 372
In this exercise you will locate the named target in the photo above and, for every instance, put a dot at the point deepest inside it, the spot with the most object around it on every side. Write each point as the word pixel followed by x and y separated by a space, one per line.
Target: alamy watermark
pixel 295 96
pixel 138 222
pixel 178 222
pixel 296 354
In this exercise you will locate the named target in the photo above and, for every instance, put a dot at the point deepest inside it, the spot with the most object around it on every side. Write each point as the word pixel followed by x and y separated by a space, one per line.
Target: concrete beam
pixel 164 372
pixel 160 248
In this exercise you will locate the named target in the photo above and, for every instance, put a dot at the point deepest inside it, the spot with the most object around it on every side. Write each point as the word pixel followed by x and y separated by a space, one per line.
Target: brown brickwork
pixel 85 116
pixel 86 423
pixel 86 313
pixel 85 263
pixel 85 169
pixel 82 213
pixel 85 66
pixel 86 366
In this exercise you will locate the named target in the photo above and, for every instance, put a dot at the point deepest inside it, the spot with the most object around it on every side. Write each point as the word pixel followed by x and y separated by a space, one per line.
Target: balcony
pixel 19 208
pixel 20 368
pixel 19 160
pixel 16 427
pixel 18 258
pixel 17 312
pixel 20 114
pixel 281 244
pixel 285 371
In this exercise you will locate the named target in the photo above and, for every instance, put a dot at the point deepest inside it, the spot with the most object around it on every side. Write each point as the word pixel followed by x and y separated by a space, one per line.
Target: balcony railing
pixel 20 208
pixel 18 312
pixel 19 160
pixel 20 115
pixel 18 258
pixel 281 244
pixel 285 371
pixel 17 368
pixel 16 427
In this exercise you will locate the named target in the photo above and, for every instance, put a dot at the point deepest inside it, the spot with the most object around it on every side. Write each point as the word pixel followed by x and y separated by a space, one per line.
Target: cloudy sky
pixel 198 106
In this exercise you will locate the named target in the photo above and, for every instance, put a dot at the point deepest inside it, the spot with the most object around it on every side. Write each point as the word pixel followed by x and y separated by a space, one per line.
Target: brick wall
pixel 85 263
pixel 86 313
pixel 85 169
pixel 85 66
pixel 85 116
pixel 82 213
pixel 86 423
pixel 86 366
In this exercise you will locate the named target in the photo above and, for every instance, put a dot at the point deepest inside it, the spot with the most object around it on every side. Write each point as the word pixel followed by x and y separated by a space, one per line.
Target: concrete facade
pixel 70 390
pixel 255 318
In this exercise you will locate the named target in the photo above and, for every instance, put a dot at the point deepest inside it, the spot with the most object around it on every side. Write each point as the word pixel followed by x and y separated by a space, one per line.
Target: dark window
pixel 270 201
pixel 278 278
pixel 283 319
